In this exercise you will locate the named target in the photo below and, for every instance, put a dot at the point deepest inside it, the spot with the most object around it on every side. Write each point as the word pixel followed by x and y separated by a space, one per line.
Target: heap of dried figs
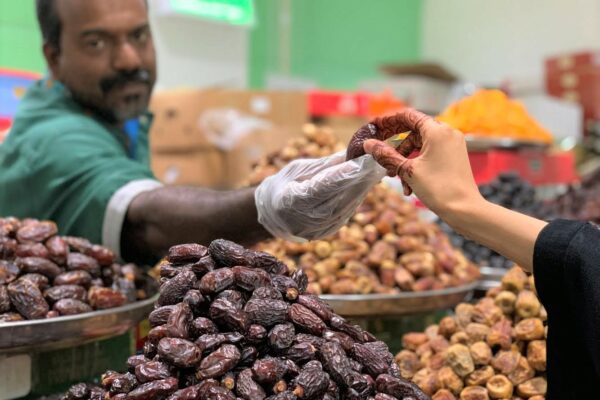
pixel 44 275
pixel 494 349
pixel 233 323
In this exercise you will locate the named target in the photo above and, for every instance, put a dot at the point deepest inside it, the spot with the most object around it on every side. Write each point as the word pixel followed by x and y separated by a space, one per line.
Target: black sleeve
pixel 566 267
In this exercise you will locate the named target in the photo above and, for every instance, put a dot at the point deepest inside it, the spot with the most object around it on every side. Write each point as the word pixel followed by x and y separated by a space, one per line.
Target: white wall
pixel 197 53
pixel 486 41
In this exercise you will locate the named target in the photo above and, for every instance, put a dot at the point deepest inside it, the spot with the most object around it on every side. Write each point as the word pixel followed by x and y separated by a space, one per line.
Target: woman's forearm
pixel 507 232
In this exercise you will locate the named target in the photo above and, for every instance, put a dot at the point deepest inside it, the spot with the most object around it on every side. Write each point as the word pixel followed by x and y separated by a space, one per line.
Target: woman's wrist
pixel 460 214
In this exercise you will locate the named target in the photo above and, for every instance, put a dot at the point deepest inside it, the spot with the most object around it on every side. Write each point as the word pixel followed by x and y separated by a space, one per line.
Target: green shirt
pixel 61 163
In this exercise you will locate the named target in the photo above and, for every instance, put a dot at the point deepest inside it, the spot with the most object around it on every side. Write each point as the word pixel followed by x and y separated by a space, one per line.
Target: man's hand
pixel 313 198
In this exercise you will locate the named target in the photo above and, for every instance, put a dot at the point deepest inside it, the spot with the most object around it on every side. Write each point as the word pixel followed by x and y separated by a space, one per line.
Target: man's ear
pixel 52 54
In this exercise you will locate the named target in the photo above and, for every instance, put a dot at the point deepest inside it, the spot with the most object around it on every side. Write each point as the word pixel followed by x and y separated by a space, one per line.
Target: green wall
pixel 20 40
pixel 336 43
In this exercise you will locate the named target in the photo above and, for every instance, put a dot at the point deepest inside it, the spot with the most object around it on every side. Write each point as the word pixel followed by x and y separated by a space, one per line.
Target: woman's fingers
pixel 388 157
pixel 403 121
pixel 394 163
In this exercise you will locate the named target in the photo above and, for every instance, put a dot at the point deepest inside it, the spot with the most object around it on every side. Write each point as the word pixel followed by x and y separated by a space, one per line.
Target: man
pixel 68 157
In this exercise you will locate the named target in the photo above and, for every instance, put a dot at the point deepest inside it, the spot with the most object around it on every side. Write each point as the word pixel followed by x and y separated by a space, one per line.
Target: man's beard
pixel 116 115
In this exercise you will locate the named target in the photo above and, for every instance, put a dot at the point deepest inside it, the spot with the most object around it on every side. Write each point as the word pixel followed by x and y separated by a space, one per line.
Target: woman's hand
pixel 440 175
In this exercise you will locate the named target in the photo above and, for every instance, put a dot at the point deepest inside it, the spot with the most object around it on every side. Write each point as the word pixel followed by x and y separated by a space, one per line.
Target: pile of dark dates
pixel 580 202
pixel 44 275
pixel 233 323
pixel 510 191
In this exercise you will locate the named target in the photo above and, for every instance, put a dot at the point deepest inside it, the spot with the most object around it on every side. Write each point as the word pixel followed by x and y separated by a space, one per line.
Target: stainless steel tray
pixel 481 143
pixel 491 277
pixel 73 330
pixel 355 305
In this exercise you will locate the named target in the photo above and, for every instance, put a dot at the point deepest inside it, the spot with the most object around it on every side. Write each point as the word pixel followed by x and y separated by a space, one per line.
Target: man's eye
pixel 96 44
pixel 141 36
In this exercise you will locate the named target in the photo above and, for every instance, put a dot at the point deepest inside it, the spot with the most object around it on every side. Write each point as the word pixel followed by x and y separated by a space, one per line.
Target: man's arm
pixel 167 216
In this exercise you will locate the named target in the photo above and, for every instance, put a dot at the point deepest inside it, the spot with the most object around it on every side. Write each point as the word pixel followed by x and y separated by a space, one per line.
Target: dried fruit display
pixel 491 113
pixel 44 275
pixel 580 201
pixel 494 349
pixel 248 338
pixel 385 248
pixel 315 142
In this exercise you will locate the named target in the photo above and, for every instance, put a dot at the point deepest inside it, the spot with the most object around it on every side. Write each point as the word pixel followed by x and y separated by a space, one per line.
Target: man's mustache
pixel 122 78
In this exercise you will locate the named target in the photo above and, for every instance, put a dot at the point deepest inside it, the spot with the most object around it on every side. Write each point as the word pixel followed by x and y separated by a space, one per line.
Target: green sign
pixel 236 12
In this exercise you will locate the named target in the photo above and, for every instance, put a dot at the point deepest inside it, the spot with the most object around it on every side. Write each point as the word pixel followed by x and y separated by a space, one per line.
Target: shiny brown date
pixel 81 278
pixel 179 352
pixel 219 362
pixel 57 293
pixel 27 299
pixel 101 298
pixel 58 249
pixel 154 390
pixel 38 280
pixel 186 253
pixel 39 265
pixel 36 231
pixel 81 262
pixel 152 371
pixel 32 250
pixel 71 307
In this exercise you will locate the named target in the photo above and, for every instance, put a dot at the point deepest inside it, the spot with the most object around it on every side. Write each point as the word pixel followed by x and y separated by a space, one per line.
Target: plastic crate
pixel 537 167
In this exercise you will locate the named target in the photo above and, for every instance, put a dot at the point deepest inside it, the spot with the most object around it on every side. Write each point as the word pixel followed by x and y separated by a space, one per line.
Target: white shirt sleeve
pixel 115 212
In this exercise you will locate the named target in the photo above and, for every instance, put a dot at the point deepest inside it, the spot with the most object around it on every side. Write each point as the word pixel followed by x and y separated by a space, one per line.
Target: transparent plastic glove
pixel 313 198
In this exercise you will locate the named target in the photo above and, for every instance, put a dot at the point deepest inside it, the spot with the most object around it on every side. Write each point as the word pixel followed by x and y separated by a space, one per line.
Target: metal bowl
pixel 491 277
pixel 355 305
pixel 73 330
pixel 482 143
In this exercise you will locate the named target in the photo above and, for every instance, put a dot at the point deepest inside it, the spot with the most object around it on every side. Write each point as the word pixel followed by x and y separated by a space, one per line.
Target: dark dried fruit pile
pixel 494 349
pixel 581 201
pixel 232 323
pixel 43 275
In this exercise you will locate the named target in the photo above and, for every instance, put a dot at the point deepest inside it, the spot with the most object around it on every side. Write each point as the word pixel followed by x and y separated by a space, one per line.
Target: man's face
pixel 106 57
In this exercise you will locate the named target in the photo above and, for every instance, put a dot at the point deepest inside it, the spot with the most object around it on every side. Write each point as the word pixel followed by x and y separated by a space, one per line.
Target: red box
pixel 323 103
pixel 536 167
pixel 572 61
pixel 580 85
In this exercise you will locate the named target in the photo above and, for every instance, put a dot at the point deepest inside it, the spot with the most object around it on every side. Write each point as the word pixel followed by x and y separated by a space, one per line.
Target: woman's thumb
pixel 394 163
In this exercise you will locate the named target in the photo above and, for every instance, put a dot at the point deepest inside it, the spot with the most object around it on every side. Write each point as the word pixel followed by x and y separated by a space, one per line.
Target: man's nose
pixel 126 58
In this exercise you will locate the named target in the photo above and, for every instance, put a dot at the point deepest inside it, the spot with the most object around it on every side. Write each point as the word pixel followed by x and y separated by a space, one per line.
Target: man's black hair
pixel 49 21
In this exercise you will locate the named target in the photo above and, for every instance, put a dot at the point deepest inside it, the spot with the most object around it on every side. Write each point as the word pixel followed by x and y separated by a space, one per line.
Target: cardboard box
pixel 281 108
pixel 177 113
pixel 175 124
pixel 196 168
pixel 343 127
pixel 239 161
pixel 571 61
